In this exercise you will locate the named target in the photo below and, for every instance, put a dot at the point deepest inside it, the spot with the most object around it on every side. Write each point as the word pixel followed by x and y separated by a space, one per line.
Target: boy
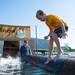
pixel 57 30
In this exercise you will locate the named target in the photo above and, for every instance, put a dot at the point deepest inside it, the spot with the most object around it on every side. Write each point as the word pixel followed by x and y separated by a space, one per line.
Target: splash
pixel 9 65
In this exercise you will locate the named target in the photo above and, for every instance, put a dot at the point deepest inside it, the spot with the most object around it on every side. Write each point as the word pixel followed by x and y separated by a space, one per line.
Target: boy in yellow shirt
pixel 57 29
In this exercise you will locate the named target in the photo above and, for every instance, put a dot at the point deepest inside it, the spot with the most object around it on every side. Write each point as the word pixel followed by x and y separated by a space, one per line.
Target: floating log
pixel 61 65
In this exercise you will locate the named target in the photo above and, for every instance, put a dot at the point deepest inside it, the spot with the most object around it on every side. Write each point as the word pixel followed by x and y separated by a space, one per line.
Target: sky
pixel 23 12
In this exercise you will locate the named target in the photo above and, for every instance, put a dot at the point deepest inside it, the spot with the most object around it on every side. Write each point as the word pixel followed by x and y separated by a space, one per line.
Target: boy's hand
pixel 64 35
pixel 46 37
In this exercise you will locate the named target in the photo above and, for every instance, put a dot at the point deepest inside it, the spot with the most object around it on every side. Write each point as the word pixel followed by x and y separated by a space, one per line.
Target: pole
pixel 36 38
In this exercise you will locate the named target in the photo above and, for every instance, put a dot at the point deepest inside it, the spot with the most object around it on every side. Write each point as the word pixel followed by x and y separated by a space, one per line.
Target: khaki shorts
pixel 52 33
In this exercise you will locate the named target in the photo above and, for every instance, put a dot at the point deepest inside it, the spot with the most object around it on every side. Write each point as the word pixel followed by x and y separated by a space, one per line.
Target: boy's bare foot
pixel 48 60
pixel 60 53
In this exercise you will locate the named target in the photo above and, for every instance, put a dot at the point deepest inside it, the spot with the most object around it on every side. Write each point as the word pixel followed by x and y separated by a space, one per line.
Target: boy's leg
pixel 58 44
pixel 50 50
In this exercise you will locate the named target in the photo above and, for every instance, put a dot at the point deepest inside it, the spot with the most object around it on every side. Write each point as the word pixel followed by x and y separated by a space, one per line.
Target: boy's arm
pixel 62 27
pixel 63 30
pixel 49 34
pixel 46 37
pixel 59 21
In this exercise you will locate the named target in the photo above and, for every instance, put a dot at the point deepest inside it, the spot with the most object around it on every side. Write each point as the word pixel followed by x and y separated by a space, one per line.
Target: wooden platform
pixel 64 65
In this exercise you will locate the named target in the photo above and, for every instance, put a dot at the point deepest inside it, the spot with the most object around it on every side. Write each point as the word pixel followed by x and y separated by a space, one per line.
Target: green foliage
pixel 66 48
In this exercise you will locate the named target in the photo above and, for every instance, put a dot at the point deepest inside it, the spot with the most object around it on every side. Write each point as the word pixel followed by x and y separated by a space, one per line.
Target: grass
pixel 72 54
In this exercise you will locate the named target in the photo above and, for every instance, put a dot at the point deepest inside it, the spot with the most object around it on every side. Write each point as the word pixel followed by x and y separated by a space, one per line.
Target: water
pixel 10 66
pixel 13 66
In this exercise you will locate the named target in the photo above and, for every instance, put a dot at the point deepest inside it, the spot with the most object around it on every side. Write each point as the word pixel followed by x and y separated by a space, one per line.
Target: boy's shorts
pixel 58 32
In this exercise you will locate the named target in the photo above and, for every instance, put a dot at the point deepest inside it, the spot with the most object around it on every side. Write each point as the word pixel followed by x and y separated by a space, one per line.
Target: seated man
pixel 25 49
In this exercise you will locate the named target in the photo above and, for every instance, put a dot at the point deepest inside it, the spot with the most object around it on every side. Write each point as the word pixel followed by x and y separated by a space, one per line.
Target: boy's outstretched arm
pixel 46 37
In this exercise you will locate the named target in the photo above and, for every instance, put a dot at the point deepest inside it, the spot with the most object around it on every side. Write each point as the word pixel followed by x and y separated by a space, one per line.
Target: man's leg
pixel 50 50
pixel 58 45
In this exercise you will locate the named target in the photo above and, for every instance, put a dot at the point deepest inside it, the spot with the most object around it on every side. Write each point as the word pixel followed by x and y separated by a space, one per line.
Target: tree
pixel 66 47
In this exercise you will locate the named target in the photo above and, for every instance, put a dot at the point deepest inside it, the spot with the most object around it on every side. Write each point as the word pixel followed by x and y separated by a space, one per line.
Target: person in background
pixel 57 29
pixel 20 32
pixel 25 49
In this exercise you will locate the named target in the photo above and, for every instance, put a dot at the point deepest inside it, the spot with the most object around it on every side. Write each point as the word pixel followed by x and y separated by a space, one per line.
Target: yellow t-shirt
pixel 52 22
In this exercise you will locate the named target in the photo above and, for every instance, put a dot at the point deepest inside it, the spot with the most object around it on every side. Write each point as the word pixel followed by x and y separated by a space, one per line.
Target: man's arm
pixel 62 27
pixel 49 33
pixel 63 30
pixel 46 37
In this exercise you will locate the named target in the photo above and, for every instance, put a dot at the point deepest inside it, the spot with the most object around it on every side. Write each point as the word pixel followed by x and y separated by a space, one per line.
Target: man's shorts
pixel 58 32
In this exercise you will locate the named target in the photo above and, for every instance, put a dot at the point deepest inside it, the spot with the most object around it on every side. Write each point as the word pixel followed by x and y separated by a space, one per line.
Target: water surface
pixel 13 66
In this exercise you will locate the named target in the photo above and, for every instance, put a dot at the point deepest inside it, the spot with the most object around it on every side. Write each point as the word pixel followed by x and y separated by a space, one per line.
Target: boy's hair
pixel 39 13
pixel 25 41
